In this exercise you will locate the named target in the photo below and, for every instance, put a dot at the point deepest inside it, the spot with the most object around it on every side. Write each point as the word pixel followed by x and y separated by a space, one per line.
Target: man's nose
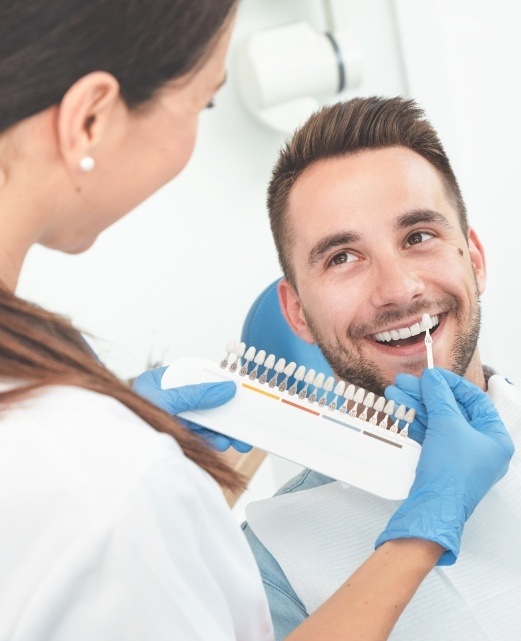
pixel 395 282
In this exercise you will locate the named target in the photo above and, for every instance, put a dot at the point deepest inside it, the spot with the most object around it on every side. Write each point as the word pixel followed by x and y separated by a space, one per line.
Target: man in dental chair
pixel 372 233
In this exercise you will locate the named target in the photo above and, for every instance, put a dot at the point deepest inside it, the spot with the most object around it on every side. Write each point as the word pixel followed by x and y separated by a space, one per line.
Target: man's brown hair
pixel 344 129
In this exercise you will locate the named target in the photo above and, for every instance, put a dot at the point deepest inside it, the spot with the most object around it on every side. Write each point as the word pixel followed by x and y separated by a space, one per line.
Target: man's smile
pixel 405 334
pixel 406 340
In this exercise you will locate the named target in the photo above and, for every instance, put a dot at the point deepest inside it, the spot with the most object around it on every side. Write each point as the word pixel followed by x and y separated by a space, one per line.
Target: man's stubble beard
pixel 352 367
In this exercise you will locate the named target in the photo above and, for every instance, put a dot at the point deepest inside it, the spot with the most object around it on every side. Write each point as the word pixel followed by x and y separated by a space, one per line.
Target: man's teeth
pixel 405 332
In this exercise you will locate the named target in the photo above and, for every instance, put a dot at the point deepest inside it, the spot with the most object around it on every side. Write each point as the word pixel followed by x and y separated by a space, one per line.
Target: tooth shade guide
pixel 268 365
pixel 343 447
pixel 358 403
pixel 355 402
pixel 230 346
pixel 239 353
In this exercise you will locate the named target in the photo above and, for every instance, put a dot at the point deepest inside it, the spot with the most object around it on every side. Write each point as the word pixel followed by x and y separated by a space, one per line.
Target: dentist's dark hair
pixel 344 129
pixel 46 46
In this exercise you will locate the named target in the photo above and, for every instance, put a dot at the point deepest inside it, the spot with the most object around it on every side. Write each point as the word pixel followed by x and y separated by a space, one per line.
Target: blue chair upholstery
pixel 266 328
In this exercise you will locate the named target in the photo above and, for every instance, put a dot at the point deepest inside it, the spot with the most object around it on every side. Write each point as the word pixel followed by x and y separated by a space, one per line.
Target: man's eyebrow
pixel 421 216
pixel 329 242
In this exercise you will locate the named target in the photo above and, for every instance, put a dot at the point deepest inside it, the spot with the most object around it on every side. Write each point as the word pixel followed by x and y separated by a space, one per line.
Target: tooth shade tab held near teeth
pixel 426 322
pixel 428 341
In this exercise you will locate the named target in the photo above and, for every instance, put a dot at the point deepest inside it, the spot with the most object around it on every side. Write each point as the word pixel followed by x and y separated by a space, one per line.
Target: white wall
pixel 462 61
pixel 178 275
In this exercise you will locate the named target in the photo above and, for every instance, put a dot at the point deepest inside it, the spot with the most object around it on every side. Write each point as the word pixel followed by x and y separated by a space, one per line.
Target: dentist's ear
pixel 292 311
pixel 477 256
pixel 86 116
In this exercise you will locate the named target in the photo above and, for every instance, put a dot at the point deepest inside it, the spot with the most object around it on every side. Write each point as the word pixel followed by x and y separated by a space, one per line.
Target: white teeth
pixel 406 332
pixel 415 329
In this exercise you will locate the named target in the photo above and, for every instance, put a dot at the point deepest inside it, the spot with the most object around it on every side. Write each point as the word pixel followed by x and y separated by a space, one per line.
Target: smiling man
pixel 372 233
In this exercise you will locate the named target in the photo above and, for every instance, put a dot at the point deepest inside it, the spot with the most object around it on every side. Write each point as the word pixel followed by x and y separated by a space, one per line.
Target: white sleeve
pixel 170 563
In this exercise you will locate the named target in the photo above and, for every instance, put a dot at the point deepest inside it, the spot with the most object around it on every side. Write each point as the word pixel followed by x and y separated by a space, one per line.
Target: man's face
pixel 376 244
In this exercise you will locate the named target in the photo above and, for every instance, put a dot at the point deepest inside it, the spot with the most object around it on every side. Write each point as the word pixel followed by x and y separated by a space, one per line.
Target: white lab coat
pixel 107 532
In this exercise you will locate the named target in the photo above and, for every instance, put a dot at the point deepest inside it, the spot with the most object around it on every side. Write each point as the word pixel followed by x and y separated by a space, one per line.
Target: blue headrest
pixel 266 328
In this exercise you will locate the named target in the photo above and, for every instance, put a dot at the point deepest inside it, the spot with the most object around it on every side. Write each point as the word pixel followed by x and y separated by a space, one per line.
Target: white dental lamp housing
pixel 284 74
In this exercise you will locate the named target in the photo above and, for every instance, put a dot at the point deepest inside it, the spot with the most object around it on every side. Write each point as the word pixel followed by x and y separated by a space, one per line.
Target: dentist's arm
pixel 461 459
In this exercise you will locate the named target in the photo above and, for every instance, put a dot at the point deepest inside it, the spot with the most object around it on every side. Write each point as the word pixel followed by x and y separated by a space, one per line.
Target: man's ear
pixel 477 256
pixel 85 114
pixel 292 311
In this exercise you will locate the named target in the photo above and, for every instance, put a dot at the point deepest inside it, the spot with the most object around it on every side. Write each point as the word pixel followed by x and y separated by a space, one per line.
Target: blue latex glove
pixel 460 461
pixel 407 391
pixel 190 397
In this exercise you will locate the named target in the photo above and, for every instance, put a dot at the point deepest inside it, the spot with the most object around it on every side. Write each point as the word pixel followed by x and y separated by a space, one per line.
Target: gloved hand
pixel 460 461
pixel 190 397
pixel 407 391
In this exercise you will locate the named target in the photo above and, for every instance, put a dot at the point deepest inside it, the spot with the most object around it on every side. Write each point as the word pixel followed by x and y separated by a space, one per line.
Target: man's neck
pixel 475 372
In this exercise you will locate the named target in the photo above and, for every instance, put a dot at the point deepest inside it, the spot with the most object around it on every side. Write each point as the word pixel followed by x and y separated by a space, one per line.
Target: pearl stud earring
pixel 87 164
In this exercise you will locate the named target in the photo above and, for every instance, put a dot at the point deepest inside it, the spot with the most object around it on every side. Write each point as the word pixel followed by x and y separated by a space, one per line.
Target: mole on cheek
pixel 460 251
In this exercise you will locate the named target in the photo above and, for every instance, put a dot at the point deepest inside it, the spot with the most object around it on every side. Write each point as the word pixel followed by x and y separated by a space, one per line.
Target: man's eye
pixel 417 238
pixel 342 257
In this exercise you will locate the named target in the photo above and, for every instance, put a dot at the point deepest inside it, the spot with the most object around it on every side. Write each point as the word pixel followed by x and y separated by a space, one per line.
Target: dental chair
pixel 266 328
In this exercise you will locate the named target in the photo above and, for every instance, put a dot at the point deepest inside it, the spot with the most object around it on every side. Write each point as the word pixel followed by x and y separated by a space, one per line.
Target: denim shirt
pixel 287 610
